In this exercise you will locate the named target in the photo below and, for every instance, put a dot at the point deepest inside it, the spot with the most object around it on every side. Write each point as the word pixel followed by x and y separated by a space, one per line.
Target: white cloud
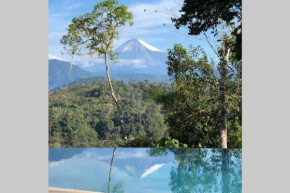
pixel 152 169
pixel 150 23
pixel 56 163
pixel 136 63
pixel 88 62
pixel 50 57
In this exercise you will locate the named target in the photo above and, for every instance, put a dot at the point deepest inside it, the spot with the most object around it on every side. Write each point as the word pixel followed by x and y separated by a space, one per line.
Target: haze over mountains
pixel 59 73
pixel 137 61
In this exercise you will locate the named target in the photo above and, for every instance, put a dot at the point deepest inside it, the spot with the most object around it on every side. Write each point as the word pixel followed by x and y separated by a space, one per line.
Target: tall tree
pixel 201 16
pixel 111 169
pixel 95 33
pixel 191 109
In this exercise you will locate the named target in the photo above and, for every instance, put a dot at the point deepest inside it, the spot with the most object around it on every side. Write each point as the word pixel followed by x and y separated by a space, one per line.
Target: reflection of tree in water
pixel 197 170
pixel 231 170
pixel 204 170
pixel 118 187
pixel 153 152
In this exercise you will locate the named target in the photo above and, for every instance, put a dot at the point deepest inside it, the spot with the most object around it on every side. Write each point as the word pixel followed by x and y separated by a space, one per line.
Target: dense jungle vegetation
pixel 85 115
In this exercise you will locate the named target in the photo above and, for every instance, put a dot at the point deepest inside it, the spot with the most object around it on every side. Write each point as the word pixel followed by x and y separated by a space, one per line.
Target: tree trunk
pixel 111 168
pixel 123 130
pixel 224 116
pixel 226 178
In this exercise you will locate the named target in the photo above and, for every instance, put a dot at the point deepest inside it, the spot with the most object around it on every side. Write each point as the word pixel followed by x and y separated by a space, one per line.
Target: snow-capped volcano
pixel 136 56
pixel 135 45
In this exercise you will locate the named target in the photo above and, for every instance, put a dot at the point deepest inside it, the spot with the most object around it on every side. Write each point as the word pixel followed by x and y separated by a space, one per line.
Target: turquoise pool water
pixel 146 170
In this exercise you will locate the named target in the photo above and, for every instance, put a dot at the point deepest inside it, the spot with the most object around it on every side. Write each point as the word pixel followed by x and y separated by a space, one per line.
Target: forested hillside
pixel 59 73
pixel 85 115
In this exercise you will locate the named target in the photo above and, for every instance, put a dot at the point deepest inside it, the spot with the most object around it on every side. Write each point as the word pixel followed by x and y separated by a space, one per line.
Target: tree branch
pixel 208 41
pixel 89 53
pixel 237 29
pixel 232 69
pixel 82 42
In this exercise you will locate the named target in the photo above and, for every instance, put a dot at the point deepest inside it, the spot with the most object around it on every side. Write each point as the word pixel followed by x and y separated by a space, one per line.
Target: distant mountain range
pixel 124 77
pixel 138 61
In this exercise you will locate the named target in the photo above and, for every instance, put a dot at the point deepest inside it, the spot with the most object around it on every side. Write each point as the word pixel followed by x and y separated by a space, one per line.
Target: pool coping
pixel 63 190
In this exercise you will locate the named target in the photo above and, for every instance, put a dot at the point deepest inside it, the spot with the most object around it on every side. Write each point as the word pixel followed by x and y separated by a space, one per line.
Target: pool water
pixel 146 170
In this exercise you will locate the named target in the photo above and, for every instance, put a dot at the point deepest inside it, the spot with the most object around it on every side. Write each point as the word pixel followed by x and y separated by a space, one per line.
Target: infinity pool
pixel 146 170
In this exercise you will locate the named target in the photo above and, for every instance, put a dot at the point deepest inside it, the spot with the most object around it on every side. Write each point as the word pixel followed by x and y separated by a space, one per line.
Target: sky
pixel 148 26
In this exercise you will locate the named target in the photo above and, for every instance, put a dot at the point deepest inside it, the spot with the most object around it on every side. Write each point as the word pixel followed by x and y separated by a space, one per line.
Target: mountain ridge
pixel 60 75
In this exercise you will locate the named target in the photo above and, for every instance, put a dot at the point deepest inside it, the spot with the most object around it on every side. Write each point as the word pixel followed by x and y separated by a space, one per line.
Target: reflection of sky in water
pixel 137 171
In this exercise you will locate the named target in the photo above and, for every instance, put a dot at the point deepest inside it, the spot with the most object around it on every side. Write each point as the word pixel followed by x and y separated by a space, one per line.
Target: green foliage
pixel 85 115
pixel 95 32
pixel 237 47
pixel 168 142
pixel 140 141
pixel 173 143
pixel 118 188
pixel 192 109
pixel 201 16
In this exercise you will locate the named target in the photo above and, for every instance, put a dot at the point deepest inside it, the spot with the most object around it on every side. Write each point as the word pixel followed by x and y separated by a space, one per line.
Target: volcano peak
pixel 135 44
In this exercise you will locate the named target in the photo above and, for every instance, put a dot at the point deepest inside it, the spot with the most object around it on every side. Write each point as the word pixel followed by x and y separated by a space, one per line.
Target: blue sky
pixel 148 26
